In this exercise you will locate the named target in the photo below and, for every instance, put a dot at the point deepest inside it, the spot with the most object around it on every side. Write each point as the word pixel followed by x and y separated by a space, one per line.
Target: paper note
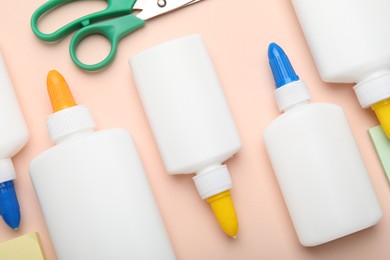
pixel 26 247
pixel 382 146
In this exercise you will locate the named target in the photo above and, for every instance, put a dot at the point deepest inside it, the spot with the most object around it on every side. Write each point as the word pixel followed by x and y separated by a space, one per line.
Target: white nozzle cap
pixel 212 181
pixel 7 170
pixel 291 94
pixel 69 121
pixel 373 90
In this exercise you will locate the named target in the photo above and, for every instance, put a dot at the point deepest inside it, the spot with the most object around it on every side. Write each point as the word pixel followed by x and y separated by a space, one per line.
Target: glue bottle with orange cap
pixel 92 188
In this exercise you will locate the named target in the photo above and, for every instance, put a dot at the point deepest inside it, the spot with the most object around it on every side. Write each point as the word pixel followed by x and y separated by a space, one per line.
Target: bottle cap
pixel 213 184
pixel 373 90
pixel 223 208
pixel 68 117
pixel 9 205
pixel 212 181
pixel 290 90
pixel 280 65
pixel 382 112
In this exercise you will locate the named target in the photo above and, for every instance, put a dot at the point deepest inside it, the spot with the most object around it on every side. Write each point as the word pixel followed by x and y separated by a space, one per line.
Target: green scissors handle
pixel 121 24
pixel 114 30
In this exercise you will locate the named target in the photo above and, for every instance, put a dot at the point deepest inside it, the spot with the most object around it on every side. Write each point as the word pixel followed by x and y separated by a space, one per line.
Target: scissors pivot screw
pixel 161 3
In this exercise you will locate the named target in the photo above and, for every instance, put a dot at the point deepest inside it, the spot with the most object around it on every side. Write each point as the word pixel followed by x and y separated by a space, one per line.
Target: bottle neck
pixel 212 180
pixel 291 95
pixel 292 107
pixel 70 123
pixel 372 75
pixel 74 136
pixel 208 168
pixel 373 88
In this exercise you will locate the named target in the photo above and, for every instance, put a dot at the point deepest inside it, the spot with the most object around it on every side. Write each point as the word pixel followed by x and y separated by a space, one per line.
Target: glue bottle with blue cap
pixel 317 163
pixel 13 137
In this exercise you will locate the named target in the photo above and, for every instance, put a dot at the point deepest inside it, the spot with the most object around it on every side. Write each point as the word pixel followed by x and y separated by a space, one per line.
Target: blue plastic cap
pixel 280 65
pixel 9 205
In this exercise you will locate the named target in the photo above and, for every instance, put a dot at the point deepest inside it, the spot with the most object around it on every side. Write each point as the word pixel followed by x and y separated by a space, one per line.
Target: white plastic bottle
pixel 13 136
pixel 190 119
pixel 92 189
pixel 350 40
pixel 317 163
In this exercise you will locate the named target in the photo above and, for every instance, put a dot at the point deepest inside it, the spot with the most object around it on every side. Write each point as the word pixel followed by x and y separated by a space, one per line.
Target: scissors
pixel 114 22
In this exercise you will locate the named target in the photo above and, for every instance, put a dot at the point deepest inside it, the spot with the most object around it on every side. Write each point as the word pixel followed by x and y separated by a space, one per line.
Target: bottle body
pixel 185 105
pixel 13 130
pixel 347 38
pixel 321 173
pixel 349 41
pixel 96 199
pixel 14 135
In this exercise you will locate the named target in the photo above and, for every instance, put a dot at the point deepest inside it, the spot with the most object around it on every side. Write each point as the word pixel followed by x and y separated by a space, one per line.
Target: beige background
pixel 237 34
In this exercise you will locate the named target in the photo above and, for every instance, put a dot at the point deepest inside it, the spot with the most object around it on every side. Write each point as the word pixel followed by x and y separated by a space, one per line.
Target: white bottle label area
pixel 321 173
pixel 96 200
pixel 349 39
pixel 13 131
pixel 185 105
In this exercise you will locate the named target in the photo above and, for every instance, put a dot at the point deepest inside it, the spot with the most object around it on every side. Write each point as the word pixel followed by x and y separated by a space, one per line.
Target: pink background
pixel 237 34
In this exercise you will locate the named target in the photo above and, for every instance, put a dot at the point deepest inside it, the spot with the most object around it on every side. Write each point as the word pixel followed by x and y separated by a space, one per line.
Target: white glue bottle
pixel 316 161
pixel 350 42
pixel 13 137
pixel 92 188
pixel 190 119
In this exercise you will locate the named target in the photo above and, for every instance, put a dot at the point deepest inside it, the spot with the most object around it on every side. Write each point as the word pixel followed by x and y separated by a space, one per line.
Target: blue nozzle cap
pixel 280 65
pixel 9 206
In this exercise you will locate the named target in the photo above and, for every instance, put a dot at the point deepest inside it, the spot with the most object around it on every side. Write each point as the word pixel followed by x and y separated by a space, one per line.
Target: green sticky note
pixel 26 247
pixel 382 146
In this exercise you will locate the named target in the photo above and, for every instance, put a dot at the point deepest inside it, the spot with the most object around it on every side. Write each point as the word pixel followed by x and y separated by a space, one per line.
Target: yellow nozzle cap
pixel 382 111
pixel 59 92
pixel 223 208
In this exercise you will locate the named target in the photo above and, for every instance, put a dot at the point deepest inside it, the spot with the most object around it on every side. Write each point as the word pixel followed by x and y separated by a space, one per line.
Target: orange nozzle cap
pixel 59 92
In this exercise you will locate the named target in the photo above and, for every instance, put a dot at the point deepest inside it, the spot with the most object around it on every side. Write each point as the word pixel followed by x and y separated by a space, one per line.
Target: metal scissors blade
pixel 153 8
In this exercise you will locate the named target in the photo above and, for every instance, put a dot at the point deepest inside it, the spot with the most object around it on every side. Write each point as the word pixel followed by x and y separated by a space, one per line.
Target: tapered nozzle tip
pixel 59 92
pixel 382 112
pixel 223 208
pixel 281 67
pixel 9 205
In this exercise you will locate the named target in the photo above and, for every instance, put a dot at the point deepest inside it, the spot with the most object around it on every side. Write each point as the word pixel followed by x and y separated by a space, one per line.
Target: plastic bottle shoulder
pixel 303 111
pixel 97 136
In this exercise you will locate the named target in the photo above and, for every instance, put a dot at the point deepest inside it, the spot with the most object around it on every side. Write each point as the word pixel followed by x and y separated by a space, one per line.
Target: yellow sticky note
pixel 25 247
pixel 382 146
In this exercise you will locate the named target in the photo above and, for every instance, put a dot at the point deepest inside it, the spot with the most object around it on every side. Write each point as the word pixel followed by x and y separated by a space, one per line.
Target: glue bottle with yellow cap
pixel 190 119
pixel 350 42
pixel 92 188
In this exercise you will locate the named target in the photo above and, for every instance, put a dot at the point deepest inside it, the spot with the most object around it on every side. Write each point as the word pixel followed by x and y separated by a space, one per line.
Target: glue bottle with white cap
pixel 190 119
